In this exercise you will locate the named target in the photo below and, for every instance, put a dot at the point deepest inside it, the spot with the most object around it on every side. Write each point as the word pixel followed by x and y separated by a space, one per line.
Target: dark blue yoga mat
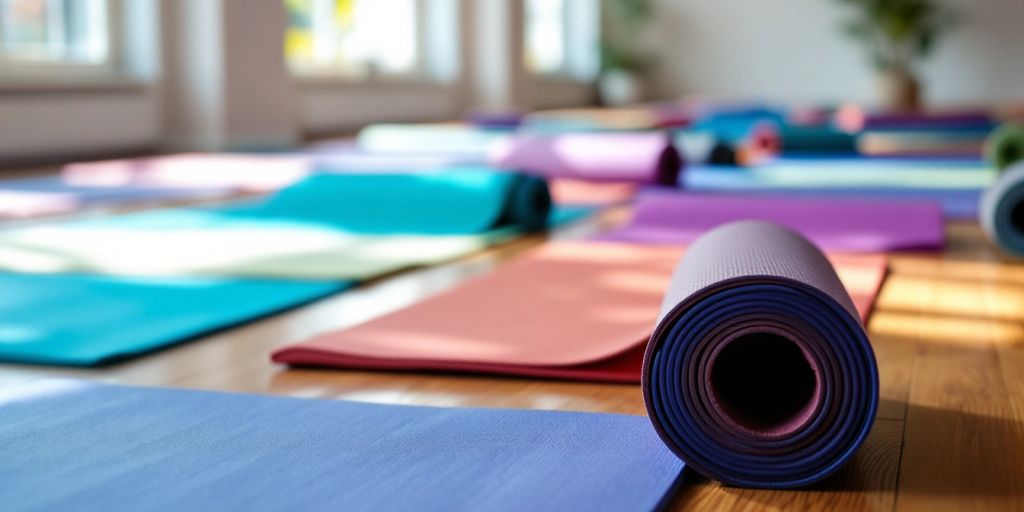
pixel 72 445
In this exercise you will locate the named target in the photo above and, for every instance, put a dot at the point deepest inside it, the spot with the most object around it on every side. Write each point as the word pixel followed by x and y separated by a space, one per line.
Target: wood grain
pixel 948 332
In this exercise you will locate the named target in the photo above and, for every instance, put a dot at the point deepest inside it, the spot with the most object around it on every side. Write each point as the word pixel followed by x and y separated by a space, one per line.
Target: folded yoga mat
pixel 74 445
pixel 330 226
pixel 1002 211
pixel 429 138
pixel 84 320
pixel 677 218
pixel 628 157
pixel 567 310
pixel 250 173
pixel 1005 146
pixel 759 372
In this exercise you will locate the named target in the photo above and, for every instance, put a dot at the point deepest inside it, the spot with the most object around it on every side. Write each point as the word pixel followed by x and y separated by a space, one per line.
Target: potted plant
pixel 622 62
pixel 897 34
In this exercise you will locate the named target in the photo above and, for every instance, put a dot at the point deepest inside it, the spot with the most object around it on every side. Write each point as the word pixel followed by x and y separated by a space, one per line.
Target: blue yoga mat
pixel 71 445
pixel 759 372
pixel 82 320
pixel 955 183
pixel 1002 211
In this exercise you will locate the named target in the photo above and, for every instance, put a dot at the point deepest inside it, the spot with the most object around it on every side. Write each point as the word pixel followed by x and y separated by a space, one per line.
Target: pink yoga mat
pixel 247 173
pixel 24 205
pixel 629 157
pixel 676 218
pixel 568 310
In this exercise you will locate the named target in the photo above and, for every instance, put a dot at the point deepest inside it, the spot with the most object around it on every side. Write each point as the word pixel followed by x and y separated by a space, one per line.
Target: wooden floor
pixel 948 331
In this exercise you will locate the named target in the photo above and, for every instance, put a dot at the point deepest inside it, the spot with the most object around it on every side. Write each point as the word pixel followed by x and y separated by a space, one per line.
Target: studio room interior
pixel 511 255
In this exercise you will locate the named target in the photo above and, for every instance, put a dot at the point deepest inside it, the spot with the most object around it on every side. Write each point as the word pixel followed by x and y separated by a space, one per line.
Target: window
pixel 41 34
pixel 561 38
pixel 356 38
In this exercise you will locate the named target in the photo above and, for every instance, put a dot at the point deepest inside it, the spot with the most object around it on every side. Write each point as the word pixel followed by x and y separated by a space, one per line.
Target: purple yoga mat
pixel 759 372
pixel 673 217
pixel 629 157
pixel 856 119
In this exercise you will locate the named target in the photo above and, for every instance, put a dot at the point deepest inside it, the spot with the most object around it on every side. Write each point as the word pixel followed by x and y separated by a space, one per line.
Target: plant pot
pixel 900 90
pixel 620 87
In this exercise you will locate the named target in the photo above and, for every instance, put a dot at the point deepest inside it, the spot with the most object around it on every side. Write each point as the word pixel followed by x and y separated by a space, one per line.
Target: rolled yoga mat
pixel 1002 211
pixel 795 139
pixel 759 372
pixel 578 310
pixel 429 138
pixel 74 445
pixel 329 226
pixel 1005 146
pixel 629 157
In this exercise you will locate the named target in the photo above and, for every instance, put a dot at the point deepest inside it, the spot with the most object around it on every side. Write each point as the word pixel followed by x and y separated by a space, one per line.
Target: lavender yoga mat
pixel 672 217
pixel 631 157
pixel 759 372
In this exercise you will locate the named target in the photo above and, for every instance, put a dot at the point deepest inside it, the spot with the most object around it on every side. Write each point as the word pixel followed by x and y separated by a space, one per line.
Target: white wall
pixel 46 119
pixel 793 50
pixel 210 74
pixel 38 125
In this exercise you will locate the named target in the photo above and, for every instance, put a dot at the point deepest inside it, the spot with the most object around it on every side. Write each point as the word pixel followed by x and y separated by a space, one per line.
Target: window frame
pixel 572 69
pixel 419 75
pixel 57 75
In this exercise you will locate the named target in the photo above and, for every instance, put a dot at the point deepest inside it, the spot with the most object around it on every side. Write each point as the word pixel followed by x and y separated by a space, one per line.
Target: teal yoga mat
pixel 329 226
pixel 81 320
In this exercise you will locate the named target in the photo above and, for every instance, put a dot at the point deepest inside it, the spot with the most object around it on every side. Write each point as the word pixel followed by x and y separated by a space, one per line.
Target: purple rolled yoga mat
pixel 630 157
pixel 759 372
pixel 677 218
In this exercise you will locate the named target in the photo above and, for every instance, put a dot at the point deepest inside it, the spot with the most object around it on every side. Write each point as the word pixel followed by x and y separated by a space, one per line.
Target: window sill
pixel 71 84
pixel 401 82
pixel 562 80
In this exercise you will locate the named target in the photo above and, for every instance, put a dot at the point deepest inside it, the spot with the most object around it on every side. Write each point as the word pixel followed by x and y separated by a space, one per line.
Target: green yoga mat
pixel 330 226
pixel 78 320
pixel 1005 146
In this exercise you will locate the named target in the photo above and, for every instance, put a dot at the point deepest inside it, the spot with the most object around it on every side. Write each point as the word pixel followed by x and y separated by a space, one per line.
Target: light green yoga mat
pixel 330 226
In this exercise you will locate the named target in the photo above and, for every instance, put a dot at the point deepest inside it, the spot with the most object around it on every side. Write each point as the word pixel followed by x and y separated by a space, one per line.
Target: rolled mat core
pixel 759 372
